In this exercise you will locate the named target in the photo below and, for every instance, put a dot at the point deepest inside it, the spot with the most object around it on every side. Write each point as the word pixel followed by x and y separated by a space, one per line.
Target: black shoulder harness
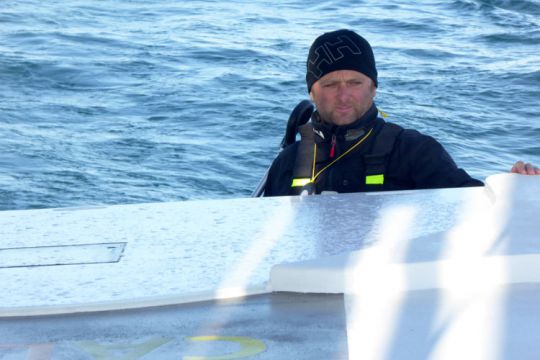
pixel 375 163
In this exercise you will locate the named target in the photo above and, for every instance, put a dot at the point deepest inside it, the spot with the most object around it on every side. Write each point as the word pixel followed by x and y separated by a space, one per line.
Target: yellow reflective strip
pixel 375 179
pixel 300 182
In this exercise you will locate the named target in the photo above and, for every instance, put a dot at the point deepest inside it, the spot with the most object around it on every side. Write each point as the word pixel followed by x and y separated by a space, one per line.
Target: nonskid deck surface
pixel 277 326
pixel 270 326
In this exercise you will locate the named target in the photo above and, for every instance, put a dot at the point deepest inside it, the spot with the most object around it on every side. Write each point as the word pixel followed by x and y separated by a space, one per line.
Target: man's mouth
pixel 343 109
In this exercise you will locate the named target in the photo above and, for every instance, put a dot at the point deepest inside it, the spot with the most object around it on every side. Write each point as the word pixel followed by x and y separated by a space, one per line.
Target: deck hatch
pixel 61 255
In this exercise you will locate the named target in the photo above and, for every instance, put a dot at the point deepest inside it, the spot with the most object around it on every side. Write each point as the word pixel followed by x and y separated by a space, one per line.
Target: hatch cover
pixel 61 255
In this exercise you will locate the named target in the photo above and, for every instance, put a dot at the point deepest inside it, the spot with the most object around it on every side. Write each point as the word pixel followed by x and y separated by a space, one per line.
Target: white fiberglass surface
pixel 197 246
pixel 194 247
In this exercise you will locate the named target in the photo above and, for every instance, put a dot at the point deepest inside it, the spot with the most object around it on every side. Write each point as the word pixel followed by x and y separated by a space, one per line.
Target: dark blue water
pixel 108 102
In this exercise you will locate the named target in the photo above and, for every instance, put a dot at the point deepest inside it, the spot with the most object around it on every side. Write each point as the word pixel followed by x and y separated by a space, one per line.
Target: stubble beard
pixel 335 118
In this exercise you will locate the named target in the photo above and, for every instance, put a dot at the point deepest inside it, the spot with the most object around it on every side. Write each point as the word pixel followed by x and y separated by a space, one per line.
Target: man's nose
pixel 343 92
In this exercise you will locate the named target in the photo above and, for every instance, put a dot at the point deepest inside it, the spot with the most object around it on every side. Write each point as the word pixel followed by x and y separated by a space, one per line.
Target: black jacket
pixel 417 161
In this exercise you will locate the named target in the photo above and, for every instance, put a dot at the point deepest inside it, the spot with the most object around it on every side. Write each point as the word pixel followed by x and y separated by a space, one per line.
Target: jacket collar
pixel 350 132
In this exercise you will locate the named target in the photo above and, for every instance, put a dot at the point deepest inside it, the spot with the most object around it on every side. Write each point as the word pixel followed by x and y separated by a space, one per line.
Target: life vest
pixel 375 162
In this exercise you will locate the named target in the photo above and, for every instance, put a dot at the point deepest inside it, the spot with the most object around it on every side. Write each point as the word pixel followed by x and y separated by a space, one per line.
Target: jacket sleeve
pixel 279 180
pixel 430 166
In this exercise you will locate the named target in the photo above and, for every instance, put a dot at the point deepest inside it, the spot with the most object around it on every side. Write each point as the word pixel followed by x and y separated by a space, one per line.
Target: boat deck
pixel 446 273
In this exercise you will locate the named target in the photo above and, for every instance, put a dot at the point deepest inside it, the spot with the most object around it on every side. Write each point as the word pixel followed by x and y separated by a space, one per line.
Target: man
pixel 346 147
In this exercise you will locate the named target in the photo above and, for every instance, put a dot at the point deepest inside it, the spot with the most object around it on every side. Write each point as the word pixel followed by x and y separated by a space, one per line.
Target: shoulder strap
pixel 304 157
pixel 376 162
pixel 299 116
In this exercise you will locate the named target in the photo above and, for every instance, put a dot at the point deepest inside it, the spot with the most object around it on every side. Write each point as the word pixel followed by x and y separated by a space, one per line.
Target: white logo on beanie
pixel 329 52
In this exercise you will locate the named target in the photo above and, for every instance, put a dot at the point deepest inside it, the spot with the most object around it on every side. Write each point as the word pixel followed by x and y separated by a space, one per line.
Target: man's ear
pixel 311 96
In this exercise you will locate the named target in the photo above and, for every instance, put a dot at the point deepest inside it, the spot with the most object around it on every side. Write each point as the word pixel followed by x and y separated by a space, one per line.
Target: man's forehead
pixel 343 75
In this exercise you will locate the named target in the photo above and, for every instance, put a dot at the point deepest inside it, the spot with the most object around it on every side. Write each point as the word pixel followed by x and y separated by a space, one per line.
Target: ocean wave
pixel 129 101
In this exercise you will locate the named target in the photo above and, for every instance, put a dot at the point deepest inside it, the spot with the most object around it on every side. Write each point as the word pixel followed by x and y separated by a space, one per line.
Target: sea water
pixel 130 101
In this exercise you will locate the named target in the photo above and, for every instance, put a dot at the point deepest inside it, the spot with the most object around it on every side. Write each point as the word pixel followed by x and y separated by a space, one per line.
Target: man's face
pixel 343 96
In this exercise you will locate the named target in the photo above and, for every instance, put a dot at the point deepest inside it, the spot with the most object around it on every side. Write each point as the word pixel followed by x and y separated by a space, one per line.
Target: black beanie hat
pixel 340 50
